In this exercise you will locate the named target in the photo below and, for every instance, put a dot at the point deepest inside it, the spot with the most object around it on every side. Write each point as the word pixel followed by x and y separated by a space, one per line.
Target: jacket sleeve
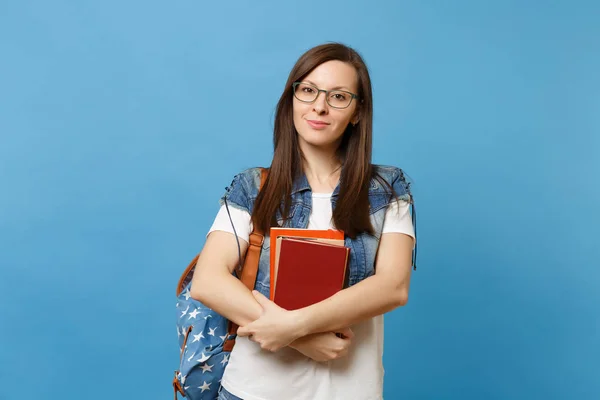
pixel 236 194
pixel 401 185
pixel 403 192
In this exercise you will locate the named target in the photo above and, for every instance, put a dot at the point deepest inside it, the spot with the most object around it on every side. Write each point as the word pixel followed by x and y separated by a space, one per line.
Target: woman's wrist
pixel 301 319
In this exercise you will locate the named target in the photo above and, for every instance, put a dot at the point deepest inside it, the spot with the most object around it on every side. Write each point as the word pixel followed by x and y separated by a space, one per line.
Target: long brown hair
pixel 351 213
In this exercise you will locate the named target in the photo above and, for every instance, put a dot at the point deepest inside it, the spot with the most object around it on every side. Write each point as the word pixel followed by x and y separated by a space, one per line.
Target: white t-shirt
pixel 255 374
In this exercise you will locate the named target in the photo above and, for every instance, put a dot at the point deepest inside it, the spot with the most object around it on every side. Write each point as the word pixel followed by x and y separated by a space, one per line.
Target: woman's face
pixel 318 123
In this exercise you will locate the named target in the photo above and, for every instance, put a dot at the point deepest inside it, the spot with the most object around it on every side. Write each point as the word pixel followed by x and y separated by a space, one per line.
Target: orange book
pixel 276 233
pixel 309 271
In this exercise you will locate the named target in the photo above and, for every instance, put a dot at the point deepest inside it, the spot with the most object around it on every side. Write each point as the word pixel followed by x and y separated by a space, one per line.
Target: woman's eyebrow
pixel 333 88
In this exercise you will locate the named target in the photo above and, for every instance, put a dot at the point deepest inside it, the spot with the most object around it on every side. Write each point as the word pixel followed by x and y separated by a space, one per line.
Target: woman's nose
pixel 320 104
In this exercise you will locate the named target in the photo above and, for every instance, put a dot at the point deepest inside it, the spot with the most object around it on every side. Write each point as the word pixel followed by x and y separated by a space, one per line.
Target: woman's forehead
pixel 334 75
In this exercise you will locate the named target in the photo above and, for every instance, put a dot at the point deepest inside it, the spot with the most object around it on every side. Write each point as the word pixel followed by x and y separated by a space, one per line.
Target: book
pixel 337 242
pixel 277 233
pixel 308 271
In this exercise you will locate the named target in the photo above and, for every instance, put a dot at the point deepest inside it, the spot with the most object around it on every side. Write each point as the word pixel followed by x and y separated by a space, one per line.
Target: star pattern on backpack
pixel 203 360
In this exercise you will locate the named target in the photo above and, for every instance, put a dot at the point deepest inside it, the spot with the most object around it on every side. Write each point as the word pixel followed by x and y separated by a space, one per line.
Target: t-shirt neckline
pixel 314 194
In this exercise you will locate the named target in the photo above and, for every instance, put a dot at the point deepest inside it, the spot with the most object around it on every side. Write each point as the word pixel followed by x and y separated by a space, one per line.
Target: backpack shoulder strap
pixel 250 269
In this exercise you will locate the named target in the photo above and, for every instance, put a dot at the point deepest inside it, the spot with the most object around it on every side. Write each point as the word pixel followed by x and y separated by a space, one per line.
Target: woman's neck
pixel 322 169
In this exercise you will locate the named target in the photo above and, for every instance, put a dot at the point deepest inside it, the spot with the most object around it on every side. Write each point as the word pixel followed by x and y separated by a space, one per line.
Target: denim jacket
pixel 243 190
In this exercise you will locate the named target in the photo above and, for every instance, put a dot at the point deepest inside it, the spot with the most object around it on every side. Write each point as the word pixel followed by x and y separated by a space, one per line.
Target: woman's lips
pixel 317 124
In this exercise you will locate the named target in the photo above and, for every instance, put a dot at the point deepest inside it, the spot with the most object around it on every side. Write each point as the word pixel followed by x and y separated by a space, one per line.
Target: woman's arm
pixel 378 294
pixel 214 285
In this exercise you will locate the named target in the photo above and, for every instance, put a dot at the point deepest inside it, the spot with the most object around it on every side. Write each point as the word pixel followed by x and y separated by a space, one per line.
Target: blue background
pixel 121 123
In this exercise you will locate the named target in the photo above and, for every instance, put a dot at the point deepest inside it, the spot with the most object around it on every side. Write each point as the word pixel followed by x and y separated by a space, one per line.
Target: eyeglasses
pixel 307 93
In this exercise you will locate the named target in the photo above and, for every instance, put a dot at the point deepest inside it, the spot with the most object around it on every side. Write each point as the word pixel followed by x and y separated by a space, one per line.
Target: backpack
pixel 205 337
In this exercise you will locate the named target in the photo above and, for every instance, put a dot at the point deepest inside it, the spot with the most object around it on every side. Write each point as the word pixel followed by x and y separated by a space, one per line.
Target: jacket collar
pixel 301 184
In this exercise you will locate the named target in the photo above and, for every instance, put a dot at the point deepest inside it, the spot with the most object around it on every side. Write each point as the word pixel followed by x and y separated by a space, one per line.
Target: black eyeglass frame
pixel 352 95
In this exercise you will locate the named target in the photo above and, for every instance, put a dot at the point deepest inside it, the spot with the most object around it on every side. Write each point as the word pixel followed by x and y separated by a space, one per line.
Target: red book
pixel 308 272
pixel 278 233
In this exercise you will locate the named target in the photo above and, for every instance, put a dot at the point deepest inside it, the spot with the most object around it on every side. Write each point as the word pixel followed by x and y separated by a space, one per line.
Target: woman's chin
pixel 321 140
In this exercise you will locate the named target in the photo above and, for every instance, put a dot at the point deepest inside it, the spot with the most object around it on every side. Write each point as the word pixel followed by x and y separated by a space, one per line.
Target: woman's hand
pixel 275 328
pixel 324 346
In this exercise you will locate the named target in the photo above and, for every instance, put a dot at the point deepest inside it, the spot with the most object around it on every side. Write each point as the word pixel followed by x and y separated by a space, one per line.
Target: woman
pixel 321 177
